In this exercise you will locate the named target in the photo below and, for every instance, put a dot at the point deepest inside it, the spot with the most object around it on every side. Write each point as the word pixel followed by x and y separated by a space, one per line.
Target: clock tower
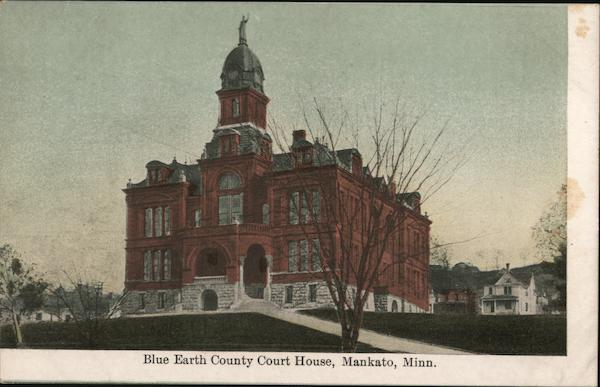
pixel 242 98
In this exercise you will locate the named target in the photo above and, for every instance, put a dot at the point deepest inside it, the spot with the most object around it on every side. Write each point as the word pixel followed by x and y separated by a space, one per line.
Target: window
pixel 167 221
pixel 303 207
pixel 316 254
pixel 294 207
pixel 38 316
pixel 161 300
pixel 507 290
pixel 142 301
pixel 158 219
pixel 304 255
pixel 490 290
pixel 148 222
pixel 167 265
pixel 230 209
pixel 292 257
pixel 229 181
pixel 230 206
pixel 197 217
pixel 312 293
pixel 316 205
pixel 156 266
pixel 148 266
pixel 289 294
pixel 265 214
pixel 235 107
pixel 526 307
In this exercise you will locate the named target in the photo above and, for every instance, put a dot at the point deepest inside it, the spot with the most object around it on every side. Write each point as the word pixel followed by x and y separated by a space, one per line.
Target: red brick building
pixel 205 236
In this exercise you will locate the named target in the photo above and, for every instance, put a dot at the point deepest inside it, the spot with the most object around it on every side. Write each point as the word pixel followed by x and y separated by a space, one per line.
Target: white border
pixel 578 368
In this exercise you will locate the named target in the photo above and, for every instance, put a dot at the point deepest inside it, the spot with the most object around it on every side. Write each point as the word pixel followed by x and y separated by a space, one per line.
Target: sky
pixel 92 91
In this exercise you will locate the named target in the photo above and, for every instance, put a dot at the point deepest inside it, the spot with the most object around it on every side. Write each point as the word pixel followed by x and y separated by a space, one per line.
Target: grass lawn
pixel 499 335
pixel 210 332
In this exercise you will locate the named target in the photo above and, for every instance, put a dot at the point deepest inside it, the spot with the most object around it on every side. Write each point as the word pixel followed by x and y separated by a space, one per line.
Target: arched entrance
pixel 394 306
pixel 210 262
pixel 210 300
pixel 255 272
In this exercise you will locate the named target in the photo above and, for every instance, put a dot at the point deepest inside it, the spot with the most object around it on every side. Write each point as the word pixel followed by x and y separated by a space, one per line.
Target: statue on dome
pixel 242 29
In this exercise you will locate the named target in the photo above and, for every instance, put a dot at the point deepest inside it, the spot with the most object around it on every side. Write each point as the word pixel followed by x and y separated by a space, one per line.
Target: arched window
pixel 235 107
pixel 229 181
pixel 231 203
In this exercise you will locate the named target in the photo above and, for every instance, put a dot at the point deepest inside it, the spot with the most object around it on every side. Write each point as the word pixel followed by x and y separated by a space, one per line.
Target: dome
pixel 242 69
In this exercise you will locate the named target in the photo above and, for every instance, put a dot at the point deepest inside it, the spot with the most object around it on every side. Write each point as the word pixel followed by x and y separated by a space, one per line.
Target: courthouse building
pixel 212 234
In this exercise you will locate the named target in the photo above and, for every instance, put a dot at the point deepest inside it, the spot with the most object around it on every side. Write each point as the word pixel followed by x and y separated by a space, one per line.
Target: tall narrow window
pixel 294 208
pixel 316 254
pixel 197 217
pixel 312 293
pixel 303 255
pixel 148 266
pixel 292 256
pixel 316 205
pixel 142 301
pixel 158 219
pixel 161 300
pixel 167 220
pixel 303 207
pixel 148 222
pixel 265 214
pixel 230 205
pixel 289 294
pixel 167 265
pixel 236 208
pixel 156 266
pixel 235 107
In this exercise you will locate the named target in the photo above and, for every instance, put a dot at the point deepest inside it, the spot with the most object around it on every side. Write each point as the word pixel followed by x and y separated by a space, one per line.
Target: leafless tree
pixel 87 305
pixel 358 227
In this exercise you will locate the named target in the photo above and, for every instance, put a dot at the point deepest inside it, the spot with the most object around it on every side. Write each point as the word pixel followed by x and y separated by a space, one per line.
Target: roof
pixel 181 172
pixel 242 69
pixel 508 278
pixel 250 139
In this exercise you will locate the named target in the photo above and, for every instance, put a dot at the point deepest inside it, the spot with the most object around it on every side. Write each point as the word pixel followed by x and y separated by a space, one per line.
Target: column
pixel 241 288
pixel 269 259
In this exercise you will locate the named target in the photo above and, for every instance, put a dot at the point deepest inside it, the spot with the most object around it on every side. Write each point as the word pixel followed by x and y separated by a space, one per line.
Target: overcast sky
pixel 90 92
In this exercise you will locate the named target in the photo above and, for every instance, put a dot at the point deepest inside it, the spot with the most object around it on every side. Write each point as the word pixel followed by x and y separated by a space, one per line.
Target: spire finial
pixel 242 30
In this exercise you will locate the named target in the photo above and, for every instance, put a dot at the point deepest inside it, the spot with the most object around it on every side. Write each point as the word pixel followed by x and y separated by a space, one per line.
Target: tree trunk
pixel 18 334
pixel 347 342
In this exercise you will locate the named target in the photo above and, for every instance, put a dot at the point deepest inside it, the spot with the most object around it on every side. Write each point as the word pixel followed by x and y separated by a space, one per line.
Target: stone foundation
pixel 192 293
pixel 140 302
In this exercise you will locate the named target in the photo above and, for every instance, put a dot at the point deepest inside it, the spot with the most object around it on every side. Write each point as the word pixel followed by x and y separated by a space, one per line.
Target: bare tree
pixel 364 205
pixel 88 306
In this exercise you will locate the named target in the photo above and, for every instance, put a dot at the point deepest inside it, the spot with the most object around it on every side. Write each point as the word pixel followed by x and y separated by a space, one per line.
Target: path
pixel 374 339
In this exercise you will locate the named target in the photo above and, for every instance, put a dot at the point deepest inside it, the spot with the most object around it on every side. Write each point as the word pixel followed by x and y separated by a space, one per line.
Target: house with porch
pixel 511 296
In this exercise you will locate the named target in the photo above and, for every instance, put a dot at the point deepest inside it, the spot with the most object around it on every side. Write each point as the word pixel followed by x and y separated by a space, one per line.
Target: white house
pixel 510 296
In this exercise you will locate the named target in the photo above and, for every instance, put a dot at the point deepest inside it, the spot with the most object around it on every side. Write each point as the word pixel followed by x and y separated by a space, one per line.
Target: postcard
pixel 297 193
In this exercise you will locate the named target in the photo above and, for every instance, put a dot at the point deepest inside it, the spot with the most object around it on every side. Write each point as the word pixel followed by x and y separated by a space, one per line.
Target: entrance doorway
pixel 210 300
pixel 394 306
pixel 255 272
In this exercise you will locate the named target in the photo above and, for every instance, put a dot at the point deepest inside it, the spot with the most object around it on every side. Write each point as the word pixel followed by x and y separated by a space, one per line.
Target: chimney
pixel 298 135
pixel 507 267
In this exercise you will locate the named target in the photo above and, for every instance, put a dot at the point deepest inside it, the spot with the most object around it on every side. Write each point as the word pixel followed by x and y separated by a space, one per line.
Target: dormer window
pixel 235 107
pixel 229 144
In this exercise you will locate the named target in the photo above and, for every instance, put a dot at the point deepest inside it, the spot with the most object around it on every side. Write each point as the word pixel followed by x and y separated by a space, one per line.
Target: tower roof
pixel 242 68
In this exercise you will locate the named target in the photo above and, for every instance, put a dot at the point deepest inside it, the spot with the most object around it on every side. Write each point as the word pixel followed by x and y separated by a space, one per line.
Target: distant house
pixel 453 290
pixel 454 301
pixel 510 295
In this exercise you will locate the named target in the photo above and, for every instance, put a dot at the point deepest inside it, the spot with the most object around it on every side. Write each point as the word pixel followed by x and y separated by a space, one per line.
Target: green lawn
pixel 500 335
pixel 211 332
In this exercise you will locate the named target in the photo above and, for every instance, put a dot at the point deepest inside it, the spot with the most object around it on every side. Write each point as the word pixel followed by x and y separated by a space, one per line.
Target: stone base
pixel 192 293
pixel 140 302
